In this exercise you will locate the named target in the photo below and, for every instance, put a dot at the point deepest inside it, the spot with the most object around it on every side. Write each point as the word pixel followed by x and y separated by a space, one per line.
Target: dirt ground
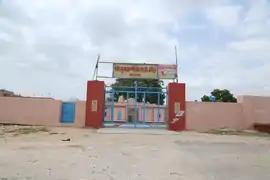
pixel 116 154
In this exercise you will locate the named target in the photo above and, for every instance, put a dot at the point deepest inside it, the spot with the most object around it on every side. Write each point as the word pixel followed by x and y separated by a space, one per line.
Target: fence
pixel 199 115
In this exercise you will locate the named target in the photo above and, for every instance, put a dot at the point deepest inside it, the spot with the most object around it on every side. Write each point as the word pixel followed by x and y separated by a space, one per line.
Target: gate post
pixel 95 98
pixel 177 106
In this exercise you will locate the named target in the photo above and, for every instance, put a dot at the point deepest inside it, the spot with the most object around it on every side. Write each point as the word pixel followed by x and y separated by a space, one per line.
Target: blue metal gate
pixel 135 107
pixel 68 112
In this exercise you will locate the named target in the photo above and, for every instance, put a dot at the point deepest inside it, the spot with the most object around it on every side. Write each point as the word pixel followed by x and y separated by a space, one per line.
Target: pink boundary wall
pixel 203 116
pixel 34 111
pixel 200 116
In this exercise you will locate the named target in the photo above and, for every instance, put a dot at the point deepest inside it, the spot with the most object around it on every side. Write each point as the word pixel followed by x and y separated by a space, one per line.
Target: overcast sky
pixel 50 46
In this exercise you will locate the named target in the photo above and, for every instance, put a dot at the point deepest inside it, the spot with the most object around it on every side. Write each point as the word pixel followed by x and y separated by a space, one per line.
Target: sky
pixel 50 47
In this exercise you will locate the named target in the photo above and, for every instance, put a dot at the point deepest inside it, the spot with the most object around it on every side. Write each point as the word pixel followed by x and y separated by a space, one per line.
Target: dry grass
pixel 16 130
pixel 237 132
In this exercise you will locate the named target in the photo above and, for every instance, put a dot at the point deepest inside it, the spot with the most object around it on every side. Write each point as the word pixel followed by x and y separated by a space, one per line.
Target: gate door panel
pixel 127 107
pixel 68 112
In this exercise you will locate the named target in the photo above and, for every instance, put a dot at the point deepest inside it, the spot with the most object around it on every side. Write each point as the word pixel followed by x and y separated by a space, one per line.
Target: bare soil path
pixel 116 154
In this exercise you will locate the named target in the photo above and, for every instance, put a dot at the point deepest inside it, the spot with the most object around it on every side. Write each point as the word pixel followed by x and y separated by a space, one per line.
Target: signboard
pixel 129 71
pixel 144 71
pixel 167 71
pixel 177 108
pixel 94 106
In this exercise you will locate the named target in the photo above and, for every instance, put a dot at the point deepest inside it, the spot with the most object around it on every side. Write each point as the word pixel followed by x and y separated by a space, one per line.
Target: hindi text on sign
pixel 135 71
pixel 144 71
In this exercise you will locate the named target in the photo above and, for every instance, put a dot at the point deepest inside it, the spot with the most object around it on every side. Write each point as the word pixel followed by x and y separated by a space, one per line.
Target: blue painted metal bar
pixel 117 122
pixel 112 110
pixel 144 107
pixel 123 123
pixel 131 127
pixel 167 110
pixel 138 92
pixel 140 87
pixel 127 109
pixel 158 107
pixel 136 104
pixel 119 115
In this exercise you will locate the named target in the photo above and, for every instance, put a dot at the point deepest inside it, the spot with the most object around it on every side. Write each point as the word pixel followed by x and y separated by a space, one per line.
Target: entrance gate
pixel 135 107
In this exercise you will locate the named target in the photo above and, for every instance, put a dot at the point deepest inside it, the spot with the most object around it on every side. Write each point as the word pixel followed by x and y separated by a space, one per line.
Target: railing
pixel 133 109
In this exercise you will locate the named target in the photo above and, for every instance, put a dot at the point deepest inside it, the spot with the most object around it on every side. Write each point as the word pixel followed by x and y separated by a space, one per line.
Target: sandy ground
pixel 115 154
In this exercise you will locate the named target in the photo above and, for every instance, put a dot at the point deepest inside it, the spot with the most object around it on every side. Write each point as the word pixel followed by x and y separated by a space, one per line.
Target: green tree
pixel 144 85
pixel 223 95
pixel 205 98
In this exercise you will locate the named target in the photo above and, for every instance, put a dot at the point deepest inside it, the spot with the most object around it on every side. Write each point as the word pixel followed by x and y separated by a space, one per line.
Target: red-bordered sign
pixel 144 71
pixel 167 71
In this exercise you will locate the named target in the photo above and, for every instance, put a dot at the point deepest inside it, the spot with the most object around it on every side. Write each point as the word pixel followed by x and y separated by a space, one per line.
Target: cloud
pixel 227 16
pixel 50 47
pixel 252 45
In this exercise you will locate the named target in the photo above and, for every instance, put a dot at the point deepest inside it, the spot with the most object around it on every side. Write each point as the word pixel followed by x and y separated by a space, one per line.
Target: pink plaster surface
pixel 256 109
pixel 80 114
pixel 31 111
pixel 35 111
pixel 199 116
pixel 208 115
